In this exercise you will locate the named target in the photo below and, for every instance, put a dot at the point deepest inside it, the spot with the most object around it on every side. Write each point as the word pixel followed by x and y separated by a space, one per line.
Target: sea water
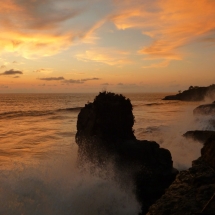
pixel 38 153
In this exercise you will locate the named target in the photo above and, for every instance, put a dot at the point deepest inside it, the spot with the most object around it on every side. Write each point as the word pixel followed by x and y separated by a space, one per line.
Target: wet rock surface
pixel 208 151
pixel 199 135
pixel 207 109
pixel 193 191
pixel 105 134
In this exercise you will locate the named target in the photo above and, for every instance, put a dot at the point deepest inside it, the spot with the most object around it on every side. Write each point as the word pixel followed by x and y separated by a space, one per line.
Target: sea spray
pixel 58 187
pixel 170 136
pixel 36 154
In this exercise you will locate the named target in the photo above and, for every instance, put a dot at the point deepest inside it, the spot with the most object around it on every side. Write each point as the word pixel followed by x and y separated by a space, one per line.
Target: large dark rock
pixel 207 109
pixel 193 94
pixel 193 191
pixel 199 135
pixel 105 134
pixel 208 151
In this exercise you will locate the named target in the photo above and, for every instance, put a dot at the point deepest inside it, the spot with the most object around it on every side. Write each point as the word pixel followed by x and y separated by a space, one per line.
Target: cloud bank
pixel 69 81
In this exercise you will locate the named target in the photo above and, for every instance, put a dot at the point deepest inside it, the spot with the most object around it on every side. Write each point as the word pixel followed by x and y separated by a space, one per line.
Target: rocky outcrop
pixel 208 151
pixel 198 135
pixel 193 191
pixel 207 109
pixel 193 94
pixel 105 134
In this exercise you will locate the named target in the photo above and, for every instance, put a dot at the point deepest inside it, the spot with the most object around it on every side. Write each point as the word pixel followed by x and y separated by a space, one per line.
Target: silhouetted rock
pixel 193 191
pixel 207 109
pixel 199 135
pixel 193 94
pixel 105 134
pixel 208 151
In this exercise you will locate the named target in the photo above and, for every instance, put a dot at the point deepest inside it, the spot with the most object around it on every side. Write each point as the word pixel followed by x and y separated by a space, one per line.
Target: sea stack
pixel 105 134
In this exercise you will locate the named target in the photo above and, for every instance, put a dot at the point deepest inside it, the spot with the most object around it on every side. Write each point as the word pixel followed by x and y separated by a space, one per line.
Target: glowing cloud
pixel 105 55
pixel 171 24
pixel 44 27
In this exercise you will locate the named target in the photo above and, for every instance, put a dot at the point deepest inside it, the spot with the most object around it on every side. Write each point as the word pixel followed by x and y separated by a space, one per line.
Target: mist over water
pixel 57 187
pixel 169 134
pixel 38 154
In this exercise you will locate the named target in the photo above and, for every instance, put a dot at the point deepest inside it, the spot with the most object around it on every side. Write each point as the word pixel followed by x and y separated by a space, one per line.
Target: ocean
pixel 38 153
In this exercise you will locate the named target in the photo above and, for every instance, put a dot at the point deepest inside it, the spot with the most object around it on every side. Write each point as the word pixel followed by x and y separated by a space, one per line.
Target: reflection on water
pixel 38 172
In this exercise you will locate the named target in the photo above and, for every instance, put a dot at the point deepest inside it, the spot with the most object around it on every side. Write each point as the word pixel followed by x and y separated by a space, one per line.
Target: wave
pixel 158 103
pixel 71 109
pixel 155 104
pixel 35 113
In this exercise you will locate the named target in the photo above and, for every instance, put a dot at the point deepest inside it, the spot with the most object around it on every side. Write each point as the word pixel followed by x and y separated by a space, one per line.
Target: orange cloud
pixel 35 45
pixel 42 28
pixel 105 55
pixel 171 24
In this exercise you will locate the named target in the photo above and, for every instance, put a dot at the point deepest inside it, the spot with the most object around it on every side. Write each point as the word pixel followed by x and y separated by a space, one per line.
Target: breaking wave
pixel 35 113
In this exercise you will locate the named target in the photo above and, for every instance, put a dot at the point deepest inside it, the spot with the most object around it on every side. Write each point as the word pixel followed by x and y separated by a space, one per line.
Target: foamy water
pixel 38 171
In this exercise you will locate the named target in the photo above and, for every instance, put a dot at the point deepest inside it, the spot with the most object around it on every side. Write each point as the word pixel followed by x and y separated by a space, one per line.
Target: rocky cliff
pixel 193 94
pixel 105 134
pixel 206 109
pixel 193 191
pixel 199 135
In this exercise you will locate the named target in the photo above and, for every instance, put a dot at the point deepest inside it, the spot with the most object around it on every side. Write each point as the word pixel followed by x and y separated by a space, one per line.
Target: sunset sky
pixel 66 46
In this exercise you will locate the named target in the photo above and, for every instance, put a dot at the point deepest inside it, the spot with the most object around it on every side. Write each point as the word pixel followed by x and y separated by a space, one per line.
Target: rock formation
pixel 105 134
pixel 198 135
pixel 193 191
pixel 207 109
pixel 208 152
pixel 193 94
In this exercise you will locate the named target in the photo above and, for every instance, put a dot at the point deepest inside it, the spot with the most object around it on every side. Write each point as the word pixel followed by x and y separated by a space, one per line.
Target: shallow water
pixel 38 173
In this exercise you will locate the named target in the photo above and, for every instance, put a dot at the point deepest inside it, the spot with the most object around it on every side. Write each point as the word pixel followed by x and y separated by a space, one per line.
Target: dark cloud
pixel 3 66
pixel 81 81
pixel 90 79
pixel 72 81
pixel 46 14
pixel 105 84
pixel 52 79
pixel 209 39
pixel 69 81
pixel 120 84
pixel 16 77
pixel 12 72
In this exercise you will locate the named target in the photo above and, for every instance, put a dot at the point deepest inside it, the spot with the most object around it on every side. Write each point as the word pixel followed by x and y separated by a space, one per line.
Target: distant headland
pixel 193 93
